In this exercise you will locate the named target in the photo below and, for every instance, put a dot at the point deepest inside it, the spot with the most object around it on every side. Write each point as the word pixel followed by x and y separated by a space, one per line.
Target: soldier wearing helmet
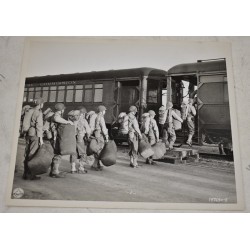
pixel 58 120
pixel 150 129
pixel 169 135
pixel 188 114
pixel 100 132
pixel 34 137
pixel 134 134
pixel 83 132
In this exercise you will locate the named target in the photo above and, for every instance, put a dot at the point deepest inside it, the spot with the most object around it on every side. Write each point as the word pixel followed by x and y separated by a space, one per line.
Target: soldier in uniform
pixel 188 114
pixel 34 137
pixel 83 132
pixel 169 135
pixel 134 135
pixel 150 129
pixel 162 118
pixel 57 119
pixel 101 134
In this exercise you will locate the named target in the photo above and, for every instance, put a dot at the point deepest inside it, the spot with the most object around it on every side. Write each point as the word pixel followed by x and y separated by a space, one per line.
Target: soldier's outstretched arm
pixel 176 116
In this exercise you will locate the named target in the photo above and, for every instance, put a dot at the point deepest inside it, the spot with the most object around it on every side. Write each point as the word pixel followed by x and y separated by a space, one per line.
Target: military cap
pixel 101 108
pixel 59 107
pixel 133 109
pixel 151 112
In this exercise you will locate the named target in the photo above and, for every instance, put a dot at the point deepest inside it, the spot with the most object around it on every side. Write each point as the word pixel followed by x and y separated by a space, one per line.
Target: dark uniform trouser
pixel 191 127
pixel 56 159
pixel 32 145
pixel 81 147
pixel 100 144
pixel 133 143
pixel 169 136
pixel 152 140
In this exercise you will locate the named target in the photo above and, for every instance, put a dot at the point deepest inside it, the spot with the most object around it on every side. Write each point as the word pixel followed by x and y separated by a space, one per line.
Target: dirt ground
pixel 164 182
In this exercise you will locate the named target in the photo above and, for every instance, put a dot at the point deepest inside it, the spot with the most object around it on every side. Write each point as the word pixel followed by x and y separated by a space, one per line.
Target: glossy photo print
pixel 126 122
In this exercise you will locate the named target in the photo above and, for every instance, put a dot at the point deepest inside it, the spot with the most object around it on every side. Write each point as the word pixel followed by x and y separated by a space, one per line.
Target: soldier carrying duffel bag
pixel 65 142
pixel 100 134
pixel 134 135
pixel 34 136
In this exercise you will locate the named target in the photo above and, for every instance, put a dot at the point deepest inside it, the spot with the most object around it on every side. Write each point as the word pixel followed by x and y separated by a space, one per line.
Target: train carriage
pixel 116 89
pixel 206 82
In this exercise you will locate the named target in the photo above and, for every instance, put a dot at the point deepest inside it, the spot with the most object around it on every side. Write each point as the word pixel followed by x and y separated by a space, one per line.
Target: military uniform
pixel 100 132
pixel 188 115
pixel 169 135
pixel 134 134
pixel 58 120
pixel 82 131
pixel 33 135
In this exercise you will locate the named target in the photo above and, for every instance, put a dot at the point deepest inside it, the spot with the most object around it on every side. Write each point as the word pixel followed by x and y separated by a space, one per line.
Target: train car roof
pixel 198 67
pixel 95 75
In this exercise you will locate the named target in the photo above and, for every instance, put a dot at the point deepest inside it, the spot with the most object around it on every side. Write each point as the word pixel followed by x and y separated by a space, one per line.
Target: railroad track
pixel 215 156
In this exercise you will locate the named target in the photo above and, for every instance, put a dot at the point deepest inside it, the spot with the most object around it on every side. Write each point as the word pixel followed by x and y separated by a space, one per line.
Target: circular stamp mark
pixel 18 193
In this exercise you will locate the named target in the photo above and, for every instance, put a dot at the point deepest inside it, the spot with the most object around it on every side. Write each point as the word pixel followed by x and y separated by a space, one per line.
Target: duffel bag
pixel 108 155
pixel 159 150
pixel 67 139
pixel 145 149
pixel 92 147
pixel 41 161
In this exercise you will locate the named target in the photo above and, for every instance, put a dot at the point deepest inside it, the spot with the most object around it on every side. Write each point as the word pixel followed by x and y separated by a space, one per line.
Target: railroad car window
pixel 88 95
pixel 70 93
pixel 38 92
pixel 31 94
pixel 45 93
pixel 152 92
pixel 79 93
pixel 52 96
pixel 61 94
pixel 98 93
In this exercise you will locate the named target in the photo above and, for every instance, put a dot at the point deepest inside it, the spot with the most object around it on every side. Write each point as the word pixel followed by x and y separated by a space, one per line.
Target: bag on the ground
pixel 109 154
pixel 159 150
pixel 177 124
pixel 27 119
pixel 41 161
pixel 67 139
pixel 145 149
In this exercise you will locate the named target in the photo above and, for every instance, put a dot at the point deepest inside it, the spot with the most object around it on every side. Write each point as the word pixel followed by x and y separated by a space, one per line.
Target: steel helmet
pixel 101 108
pixel 38 101
pixel 151 112
pixel 169 105
pixel 59 107
pixel 162 108
pixel 133 109
pixel 82 109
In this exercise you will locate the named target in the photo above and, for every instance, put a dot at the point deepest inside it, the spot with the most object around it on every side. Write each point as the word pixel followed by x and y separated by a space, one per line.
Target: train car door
pixel 128 94
pixel 213 107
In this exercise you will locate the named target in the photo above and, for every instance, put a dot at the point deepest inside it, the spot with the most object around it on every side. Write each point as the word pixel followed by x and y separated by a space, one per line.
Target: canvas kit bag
pixel 67 139
pixel 41 161
pixel 108 155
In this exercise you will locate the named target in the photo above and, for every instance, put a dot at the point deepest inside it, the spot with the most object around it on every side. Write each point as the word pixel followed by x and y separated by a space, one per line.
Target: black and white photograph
pixel 126 122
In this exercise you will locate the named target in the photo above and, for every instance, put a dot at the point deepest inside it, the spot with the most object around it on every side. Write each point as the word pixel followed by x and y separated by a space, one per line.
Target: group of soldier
pixel 46 126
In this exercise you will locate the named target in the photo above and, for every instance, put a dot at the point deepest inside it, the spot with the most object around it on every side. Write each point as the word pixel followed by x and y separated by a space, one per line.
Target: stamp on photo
pixel 18 193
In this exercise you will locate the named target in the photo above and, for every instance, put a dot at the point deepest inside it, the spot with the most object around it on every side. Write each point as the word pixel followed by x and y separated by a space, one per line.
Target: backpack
pixel 27 119
pixel 92 120
pixel 123 121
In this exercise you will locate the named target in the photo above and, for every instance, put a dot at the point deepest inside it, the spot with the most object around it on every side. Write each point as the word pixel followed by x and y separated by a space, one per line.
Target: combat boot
pixel 81 169
pixel 54 173
pixel 73 168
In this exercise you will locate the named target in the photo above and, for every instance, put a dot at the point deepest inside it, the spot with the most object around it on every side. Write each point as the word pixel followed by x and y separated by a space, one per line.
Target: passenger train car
pixel 205 81
pixel 116 89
